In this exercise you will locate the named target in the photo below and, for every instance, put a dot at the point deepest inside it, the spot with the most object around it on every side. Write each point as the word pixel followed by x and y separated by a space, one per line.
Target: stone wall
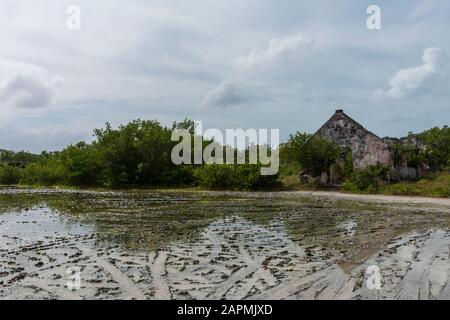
pixel 367 148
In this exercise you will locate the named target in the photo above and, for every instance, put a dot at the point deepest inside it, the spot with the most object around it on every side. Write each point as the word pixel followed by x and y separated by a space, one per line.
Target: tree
pixel 82 164
pixel 437 142
pixel 186 124
pixel 139 153
pixel 313 154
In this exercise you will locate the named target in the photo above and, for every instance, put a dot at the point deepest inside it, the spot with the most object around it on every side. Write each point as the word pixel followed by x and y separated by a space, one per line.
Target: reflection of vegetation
pixel 133 220
pixel 141 220
pixel 11 202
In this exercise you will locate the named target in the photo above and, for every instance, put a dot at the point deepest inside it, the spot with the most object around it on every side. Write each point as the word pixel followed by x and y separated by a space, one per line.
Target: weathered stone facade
pixel 367 148
pixel 403 169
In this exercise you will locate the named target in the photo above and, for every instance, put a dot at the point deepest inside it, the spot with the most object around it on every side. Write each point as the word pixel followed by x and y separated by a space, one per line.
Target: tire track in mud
pixel 233 258
pixel 415 284
pixel 131 291
pixel 248 258
pixel 445 293
pixel 413 267
pixel 158 271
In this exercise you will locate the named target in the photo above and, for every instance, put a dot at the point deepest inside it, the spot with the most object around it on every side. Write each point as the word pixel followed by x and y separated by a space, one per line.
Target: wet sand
pixel 221 245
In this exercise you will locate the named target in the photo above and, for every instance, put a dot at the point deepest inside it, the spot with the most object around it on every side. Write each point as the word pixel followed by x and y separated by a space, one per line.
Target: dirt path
pixel 376 198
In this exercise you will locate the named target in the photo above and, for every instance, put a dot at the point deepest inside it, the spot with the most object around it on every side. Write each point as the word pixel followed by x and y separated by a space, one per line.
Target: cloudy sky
pixel 229 63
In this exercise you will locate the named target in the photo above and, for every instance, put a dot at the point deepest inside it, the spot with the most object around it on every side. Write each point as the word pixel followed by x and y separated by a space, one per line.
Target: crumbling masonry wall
pixel 367 148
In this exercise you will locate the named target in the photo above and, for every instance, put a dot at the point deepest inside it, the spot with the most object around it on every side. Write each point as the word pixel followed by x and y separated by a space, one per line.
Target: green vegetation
pixel 433 151
pixel 437 141
pixel 368 180
pixel 309 153
pixel 134 155
pixel 402 153
pixel 302 152
pixel 138 154
pixel 233 177
pixel 436 185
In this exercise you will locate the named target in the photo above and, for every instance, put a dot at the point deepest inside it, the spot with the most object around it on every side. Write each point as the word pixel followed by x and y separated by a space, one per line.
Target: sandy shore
pixel 375 198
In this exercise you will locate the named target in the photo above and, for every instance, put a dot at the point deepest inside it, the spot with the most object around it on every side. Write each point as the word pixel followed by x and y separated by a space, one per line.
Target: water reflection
pixel 203 245
pixel 139 220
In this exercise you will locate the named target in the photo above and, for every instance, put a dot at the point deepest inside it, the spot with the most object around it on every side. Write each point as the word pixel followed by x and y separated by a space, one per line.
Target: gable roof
pixel 340 114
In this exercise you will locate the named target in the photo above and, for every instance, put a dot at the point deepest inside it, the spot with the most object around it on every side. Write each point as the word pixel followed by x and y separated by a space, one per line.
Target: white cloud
pixel 408 81
pixel 26 86
pixel 26 93
pixel 156 59
pixel 226 94
pixel 277 49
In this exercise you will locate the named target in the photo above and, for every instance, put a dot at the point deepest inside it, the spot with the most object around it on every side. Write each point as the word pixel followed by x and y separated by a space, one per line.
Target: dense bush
pixel 136 154
pixel 406 154
pixel 19 159
pixel 366 180
pixel 437 185
pixel 233 177
pixel 47 173
pixel 437 142
pixel 9 174
pixel 139 154
pixel 81 165
pixel 313 154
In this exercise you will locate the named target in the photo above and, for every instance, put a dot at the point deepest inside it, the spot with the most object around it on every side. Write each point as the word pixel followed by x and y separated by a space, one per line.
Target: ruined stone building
pixel 367 148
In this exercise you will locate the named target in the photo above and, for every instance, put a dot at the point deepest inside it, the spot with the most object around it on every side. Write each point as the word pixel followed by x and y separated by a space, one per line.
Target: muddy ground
pixel 220 245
